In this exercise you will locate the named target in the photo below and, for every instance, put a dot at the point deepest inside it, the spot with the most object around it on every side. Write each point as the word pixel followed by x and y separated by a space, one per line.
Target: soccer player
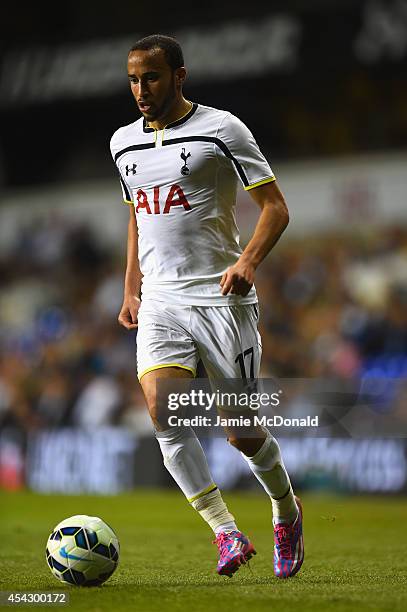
pixel 189 288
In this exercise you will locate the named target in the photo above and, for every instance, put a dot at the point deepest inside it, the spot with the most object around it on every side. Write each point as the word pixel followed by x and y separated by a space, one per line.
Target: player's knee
pixel 234 441
pixel 244 445
pixel 248 446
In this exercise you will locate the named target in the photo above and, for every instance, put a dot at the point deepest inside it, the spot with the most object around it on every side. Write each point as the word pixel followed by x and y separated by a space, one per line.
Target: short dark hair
pixel 170 46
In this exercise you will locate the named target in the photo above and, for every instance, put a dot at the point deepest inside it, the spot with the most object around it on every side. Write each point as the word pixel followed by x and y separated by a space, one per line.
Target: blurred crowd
pixel 330 305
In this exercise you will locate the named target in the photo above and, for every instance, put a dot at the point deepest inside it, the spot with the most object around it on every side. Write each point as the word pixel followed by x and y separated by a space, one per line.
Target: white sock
pixel 268 467
pixel 213 510
pixel 186 462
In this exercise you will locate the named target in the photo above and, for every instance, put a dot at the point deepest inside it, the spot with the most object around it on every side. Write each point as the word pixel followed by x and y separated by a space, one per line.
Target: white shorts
pixel 225 338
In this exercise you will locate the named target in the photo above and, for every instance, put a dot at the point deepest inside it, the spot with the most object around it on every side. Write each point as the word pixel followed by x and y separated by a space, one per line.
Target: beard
pixel 158 112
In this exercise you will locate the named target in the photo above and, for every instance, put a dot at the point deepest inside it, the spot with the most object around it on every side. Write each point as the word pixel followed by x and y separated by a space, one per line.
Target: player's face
pixel 153 83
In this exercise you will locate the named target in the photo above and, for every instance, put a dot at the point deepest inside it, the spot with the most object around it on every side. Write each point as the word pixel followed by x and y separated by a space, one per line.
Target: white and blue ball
pixel 83 550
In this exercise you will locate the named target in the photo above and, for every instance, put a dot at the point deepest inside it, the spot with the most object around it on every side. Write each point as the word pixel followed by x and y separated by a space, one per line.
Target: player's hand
pixel 128 315
pixel 238 279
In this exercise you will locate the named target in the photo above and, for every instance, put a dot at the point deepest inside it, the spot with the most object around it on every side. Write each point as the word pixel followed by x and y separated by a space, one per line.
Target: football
pixel 82 550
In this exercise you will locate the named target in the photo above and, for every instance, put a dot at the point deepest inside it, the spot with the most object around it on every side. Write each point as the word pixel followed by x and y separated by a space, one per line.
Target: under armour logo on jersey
pixel 185 170
pixel 132 170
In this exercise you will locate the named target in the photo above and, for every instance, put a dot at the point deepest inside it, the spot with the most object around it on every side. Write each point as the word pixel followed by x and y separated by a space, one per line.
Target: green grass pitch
pixel 355 554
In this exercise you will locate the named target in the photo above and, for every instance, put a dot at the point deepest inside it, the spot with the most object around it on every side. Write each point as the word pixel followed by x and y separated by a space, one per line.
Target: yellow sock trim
pixel 212 487
pixel 167 365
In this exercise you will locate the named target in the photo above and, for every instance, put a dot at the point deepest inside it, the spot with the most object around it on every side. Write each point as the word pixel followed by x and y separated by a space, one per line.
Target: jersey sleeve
pixel 126 190
pixel 127 199
pixel 239 148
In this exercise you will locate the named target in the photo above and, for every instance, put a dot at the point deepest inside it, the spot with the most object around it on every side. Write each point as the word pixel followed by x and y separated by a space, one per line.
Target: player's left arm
pixel 273 220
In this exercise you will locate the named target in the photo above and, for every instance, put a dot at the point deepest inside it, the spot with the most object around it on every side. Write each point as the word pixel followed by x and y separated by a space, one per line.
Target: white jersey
pixel 182 181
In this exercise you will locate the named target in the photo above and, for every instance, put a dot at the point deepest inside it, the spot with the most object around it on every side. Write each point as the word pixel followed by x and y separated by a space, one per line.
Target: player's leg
pixel 169 343
pixel 233 350
pixel 182 452
pixel 226 336
pixel 185 460
pixel 268 467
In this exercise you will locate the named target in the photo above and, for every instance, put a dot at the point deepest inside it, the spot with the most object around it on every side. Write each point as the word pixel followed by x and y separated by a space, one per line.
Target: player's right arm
pixel 128 316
